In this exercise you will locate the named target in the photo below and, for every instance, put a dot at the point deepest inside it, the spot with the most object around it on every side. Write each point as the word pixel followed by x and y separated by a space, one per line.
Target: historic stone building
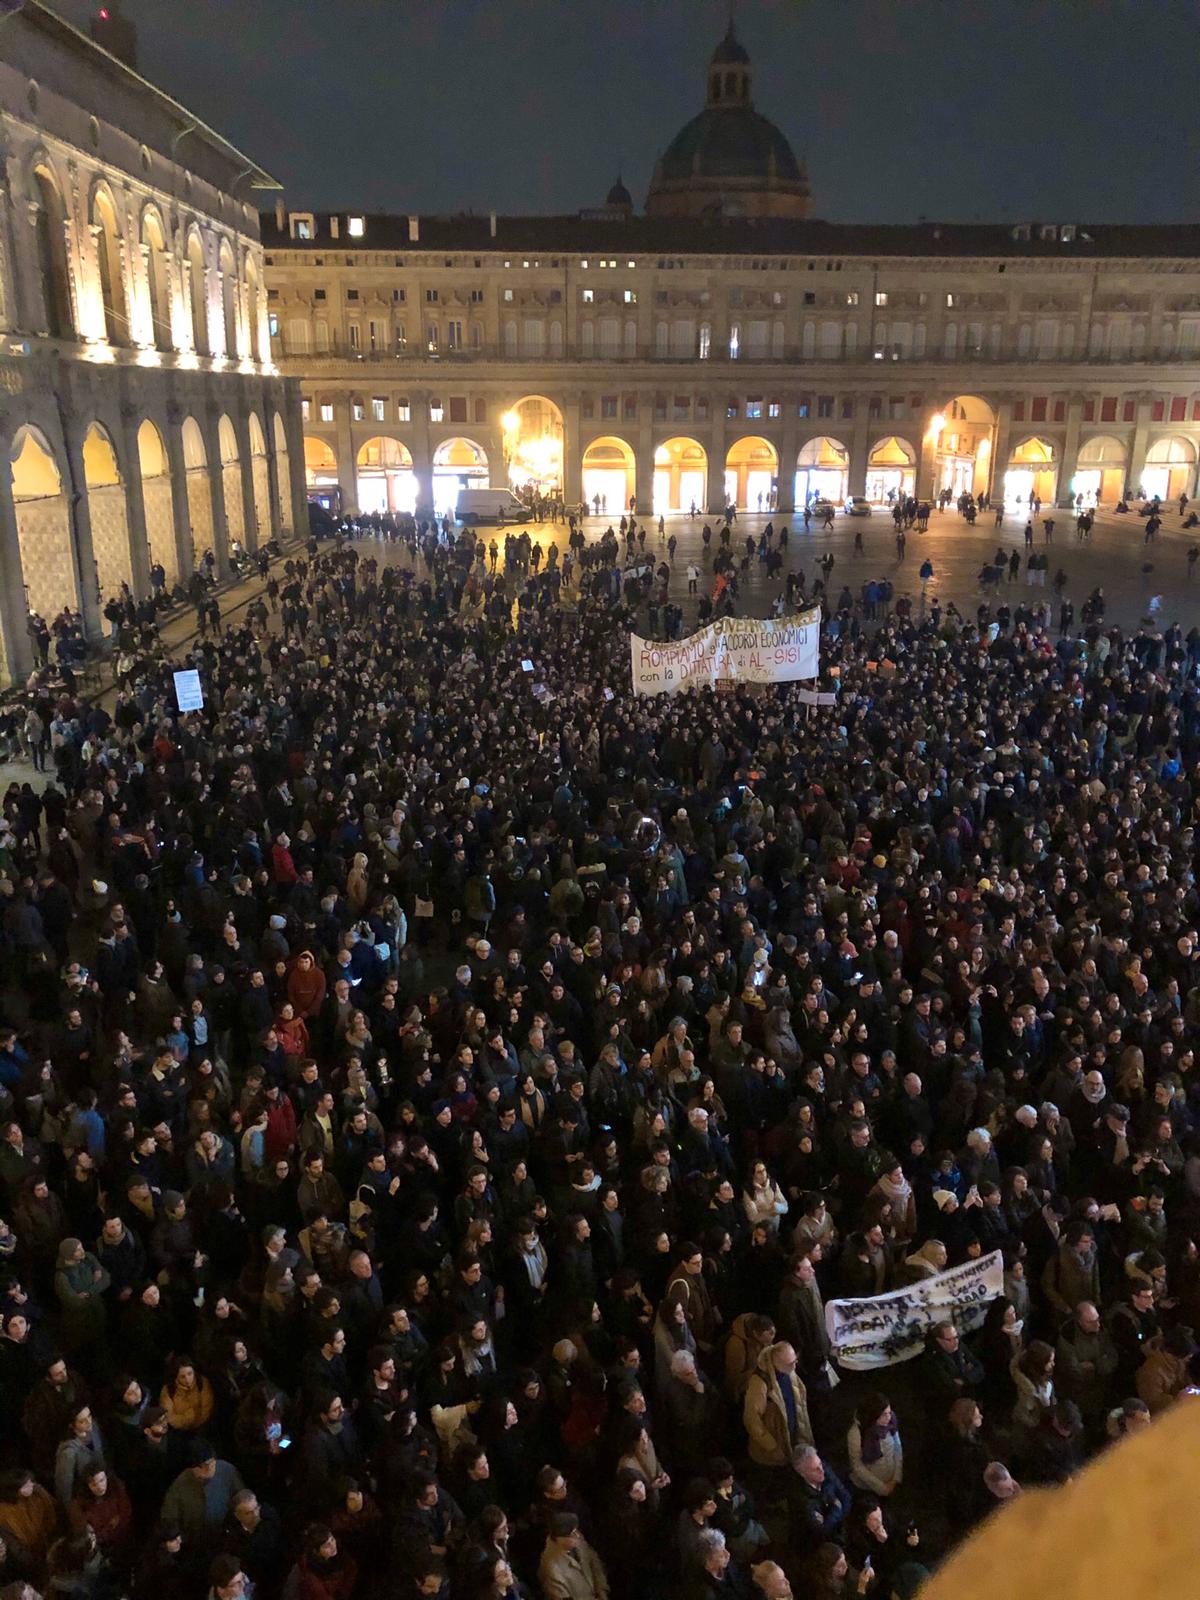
pixel 142 418
pixel 725 344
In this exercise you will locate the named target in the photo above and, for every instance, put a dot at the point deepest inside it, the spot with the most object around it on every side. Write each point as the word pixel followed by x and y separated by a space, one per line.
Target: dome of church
pixel 730 160
pixel 619 195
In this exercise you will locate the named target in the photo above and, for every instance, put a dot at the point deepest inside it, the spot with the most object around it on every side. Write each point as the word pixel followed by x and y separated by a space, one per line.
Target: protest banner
pixel 815 697
pixel 888 1328
pixel 730 650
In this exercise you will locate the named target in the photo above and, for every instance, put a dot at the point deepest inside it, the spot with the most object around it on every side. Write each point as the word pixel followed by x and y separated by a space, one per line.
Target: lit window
pixel 951 301
pixel 735 341
pixel 881 297
pixel 705 340
pixel 305 409
pixel 357 408
pixel 851 297
pixel 403 411
pixel 754 408
pixel 524 263
pixel 273 324
pixel 633 263
pixel 379 409
pixel 774 409
pixel 508 294
pixel 588 296
pixel 326 411
pixel 631 297
pixel 583 264
pixel 356 227
pixel 436 411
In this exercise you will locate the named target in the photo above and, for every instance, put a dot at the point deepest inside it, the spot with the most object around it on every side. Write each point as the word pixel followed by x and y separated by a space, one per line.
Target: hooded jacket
pixel 765 1414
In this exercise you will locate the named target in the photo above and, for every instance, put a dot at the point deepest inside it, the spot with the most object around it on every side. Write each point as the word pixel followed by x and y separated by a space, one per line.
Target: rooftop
pixel 675 237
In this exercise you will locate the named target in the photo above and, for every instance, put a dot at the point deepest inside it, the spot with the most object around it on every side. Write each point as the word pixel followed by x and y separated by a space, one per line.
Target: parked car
pixel 820 508
pixel 858 506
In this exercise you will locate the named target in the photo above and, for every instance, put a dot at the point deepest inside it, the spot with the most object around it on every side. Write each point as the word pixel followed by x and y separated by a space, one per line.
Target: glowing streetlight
pixel 936 424
pixel 510 422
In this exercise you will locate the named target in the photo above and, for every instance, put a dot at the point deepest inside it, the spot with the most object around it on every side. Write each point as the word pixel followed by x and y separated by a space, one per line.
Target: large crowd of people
pixel 440 1091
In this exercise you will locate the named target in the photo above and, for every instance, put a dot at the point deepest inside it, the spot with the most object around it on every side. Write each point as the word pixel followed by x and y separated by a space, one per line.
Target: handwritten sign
pixel 730 650
pixel 189 696
pixel 886 1328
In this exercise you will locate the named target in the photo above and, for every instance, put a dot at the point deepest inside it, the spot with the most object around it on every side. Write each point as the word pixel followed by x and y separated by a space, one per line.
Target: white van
pixel 490 505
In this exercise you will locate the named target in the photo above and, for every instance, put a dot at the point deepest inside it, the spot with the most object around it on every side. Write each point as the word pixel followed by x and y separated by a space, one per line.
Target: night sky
pixel 993 109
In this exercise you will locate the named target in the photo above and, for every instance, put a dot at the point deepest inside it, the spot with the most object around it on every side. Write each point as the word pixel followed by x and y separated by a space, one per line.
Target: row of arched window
pixel 137 311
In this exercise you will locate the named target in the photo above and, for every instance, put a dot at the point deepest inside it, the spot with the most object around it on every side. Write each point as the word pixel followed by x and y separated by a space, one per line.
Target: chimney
pixel 492 224
pixel 335 228
pixel 414 230
pixel 279 214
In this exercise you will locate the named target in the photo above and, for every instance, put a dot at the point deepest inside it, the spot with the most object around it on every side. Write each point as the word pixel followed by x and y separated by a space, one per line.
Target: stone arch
pixel 680 475
pixel 199 488
pixel 49 567
pixel 260 475
pixel 1101 468
pixel 891 469
pixel 227 267
pixel 54 271
pixel 752 473
pixel 105 219
pixel 822 471
pixel 1170 468
pixel 458 463
pixel 107 512
pixel 608 474
pixel 231 480
pixel 158 279
pixel 385 478
pixel 963 434
pixel 320 462
pixel 533 443
pixel 283 474
pixel 198 292
pixel 158 506
pixel 1032 471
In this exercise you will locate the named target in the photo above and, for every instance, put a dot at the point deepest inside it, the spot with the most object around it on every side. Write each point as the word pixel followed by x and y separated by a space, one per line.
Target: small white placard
pixel 189 696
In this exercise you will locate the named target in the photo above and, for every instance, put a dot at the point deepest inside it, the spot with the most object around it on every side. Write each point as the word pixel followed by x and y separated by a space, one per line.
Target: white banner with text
pixel 891 1327
pixel 730 650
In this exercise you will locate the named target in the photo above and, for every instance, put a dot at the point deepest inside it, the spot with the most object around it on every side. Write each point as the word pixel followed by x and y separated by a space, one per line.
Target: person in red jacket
pixel 323 1572
pixel 101 1503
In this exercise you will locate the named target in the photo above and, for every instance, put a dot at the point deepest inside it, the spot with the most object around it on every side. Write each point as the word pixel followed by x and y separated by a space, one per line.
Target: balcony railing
pixel 415 356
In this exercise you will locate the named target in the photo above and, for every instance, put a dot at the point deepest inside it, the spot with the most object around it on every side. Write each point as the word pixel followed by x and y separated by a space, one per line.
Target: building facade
pixel 726 347
pixel 142 417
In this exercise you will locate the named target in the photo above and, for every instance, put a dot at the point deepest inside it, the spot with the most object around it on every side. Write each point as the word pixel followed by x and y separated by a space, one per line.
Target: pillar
pixel 1002 436
pixel 1070 453
pixel 245 461
pixel 643 458
pixel 856 477
pixel 716 460
pixel 572 452
pixel 788 450
pixel 275 489
pixel 1141 442
pixel 422 453
pixel 185 550
pixel 293 497
pixel 216 490
pixel 135 504
pixel 343 449
pixel 926 486
pixel 18 651
pixel 80 518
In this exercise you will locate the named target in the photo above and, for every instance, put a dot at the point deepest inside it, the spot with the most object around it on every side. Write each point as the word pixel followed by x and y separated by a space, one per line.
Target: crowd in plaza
pixel 440 1092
